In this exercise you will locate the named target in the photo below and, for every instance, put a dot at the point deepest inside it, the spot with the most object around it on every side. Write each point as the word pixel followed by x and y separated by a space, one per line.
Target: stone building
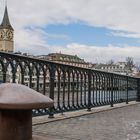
pixel 119 68
pixel 66 59
pixel 73 60
pixel 6 41
pixel 6 34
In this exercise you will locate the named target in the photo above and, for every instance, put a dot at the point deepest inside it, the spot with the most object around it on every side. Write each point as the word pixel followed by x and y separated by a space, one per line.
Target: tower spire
pixel 5 2
pixel 6 33
pixel 5 22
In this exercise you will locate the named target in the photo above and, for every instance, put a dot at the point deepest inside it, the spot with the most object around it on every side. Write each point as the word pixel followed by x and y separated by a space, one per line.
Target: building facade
pixel 119 68
pixel 66 59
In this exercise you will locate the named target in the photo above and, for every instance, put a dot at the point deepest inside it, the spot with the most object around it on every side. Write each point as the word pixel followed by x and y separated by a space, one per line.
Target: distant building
pixel 73 60
pixel 137 75
pixel 6 34
pixel 119 67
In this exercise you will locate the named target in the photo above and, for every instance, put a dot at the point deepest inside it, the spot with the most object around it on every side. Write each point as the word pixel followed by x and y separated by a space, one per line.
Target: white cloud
pixel 116 14
pixel 99 53
pixel 125 34
pixel 31 41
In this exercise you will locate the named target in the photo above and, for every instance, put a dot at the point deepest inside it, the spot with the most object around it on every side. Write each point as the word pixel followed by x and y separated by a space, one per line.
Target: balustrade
pixel 70 87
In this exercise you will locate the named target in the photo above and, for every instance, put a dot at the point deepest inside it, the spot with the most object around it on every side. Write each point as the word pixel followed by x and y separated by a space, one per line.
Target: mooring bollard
pixel 16 104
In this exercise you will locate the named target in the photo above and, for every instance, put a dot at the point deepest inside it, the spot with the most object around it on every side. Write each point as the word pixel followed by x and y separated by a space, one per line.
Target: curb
pixel 68 115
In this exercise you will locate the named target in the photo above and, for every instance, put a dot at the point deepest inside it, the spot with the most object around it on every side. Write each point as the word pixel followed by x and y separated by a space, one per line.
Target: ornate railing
pixel 70 87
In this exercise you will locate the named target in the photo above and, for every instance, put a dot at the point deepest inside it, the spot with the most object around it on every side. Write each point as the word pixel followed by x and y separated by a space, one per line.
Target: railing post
pixel 4 76
pixel 52 78
pixel 138 90
pixel 112 76
pixel 37 78
pixel 22 77
pixel 30 78
pixel 14 75
pixel 127 90
pixel 89 90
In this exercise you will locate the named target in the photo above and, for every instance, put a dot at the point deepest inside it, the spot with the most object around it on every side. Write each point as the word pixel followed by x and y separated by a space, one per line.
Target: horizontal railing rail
pixel 70 87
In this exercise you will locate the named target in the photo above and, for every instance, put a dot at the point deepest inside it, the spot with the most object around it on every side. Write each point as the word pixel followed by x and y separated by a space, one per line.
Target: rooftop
pixel 5 22
pixel 63 57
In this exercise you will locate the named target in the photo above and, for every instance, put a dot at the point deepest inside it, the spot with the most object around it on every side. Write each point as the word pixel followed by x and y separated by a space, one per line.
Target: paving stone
pixel 117 124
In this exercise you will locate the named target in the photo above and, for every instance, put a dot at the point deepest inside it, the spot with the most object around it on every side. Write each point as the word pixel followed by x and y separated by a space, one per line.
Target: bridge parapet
pixel 70 87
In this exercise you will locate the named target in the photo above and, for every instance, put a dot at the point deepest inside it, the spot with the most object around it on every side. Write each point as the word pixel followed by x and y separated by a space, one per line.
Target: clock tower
pixel 6 34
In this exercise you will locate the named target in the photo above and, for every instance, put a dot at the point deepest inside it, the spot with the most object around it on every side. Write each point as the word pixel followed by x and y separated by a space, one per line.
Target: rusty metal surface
pixel 16 104
pixel 16 96
pixel 15 125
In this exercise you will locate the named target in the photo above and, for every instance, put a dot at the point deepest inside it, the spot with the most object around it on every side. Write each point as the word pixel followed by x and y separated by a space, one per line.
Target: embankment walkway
pixel 121 122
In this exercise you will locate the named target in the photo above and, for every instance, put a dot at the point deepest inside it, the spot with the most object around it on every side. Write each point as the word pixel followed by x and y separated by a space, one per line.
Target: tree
pixel 138 66
pixel 129 63
pixel 110 62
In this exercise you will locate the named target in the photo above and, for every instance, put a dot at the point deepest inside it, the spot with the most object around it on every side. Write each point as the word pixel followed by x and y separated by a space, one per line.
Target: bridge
pixel 72 88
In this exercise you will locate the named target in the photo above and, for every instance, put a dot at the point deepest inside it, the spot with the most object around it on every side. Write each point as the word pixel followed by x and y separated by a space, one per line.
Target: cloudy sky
pixel 96 30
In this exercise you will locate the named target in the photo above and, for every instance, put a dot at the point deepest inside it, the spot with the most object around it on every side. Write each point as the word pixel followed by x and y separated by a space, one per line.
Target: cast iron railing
pixel 70 87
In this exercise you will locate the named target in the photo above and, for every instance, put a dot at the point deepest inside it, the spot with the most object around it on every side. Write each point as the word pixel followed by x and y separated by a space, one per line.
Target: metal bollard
pixel 16 104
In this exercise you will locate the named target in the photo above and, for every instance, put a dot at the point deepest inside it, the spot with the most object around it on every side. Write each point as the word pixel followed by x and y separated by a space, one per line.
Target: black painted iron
pixel 71 87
